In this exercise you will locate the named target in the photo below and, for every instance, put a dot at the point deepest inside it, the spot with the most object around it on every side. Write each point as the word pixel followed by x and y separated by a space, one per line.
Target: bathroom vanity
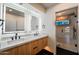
pixel 25 46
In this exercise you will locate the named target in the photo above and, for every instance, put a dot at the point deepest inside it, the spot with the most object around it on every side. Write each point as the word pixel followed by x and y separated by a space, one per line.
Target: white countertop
pixel 14 43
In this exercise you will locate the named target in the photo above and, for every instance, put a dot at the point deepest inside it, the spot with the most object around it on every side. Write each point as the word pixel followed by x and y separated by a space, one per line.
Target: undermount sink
pixel 20 40
pixel 14 41
pixel 10 43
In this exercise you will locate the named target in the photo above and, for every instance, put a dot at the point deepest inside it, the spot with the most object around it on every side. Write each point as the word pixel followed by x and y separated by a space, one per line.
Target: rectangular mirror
pixel 34 23
pixel 14 20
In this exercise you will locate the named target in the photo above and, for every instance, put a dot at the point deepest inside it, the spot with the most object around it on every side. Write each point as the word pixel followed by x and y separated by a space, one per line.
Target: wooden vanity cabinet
pixel 24 49
pixel 30 48
pixel 38 45
pixel 12 51
pixel 20 50
pixel 45 41
pixel 35 47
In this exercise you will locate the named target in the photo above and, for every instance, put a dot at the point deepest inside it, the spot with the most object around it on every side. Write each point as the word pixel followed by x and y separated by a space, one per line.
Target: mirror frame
pixel 38 16
pixel 16 7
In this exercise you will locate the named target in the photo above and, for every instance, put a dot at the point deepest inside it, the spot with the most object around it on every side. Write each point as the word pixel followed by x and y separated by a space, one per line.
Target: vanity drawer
pixel 35 47
pixel 34 50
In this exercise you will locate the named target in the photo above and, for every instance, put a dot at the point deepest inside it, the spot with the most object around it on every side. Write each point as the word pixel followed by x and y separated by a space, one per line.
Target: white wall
pixel 51 21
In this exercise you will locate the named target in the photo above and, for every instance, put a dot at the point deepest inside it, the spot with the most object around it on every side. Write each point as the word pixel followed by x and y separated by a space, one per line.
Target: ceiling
pixel 72 11
pixel 47 5
pixel 43 6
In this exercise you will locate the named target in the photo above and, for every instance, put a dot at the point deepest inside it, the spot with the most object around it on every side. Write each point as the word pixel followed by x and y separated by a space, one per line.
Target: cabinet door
pixel 40 44
pixel 24 49
pixel 21 50
pixel 34 47
pixel 37 46
pixel 45 41
pixel 12 51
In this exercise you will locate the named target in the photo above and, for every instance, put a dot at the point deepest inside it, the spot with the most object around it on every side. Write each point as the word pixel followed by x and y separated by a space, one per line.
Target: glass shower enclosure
pixel 66 32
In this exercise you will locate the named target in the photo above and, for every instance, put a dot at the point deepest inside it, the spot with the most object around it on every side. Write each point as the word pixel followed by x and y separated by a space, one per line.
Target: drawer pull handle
pixel 34 47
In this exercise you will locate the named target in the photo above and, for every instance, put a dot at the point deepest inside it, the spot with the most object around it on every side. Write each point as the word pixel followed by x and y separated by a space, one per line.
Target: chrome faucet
pixel 16 36
pixel 36 34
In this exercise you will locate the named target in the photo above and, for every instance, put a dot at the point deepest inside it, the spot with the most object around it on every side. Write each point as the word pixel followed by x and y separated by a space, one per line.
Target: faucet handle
pixel 16 34
pixel 12 38
pixel 19 37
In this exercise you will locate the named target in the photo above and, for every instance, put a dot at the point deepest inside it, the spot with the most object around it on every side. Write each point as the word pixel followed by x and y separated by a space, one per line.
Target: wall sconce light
pixel 1 22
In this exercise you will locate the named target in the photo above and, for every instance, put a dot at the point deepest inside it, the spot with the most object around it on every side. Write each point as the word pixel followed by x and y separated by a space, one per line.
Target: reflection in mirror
pixel 14 20
pixel 34 23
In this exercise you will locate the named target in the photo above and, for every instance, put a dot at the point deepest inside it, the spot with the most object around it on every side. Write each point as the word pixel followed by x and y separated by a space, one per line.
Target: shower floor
pixel 70 47
pixel 61 51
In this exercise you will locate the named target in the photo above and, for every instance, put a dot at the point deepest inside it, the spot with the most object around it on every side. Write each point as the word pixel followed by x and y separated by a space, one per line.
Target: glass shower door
pixel 69 39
